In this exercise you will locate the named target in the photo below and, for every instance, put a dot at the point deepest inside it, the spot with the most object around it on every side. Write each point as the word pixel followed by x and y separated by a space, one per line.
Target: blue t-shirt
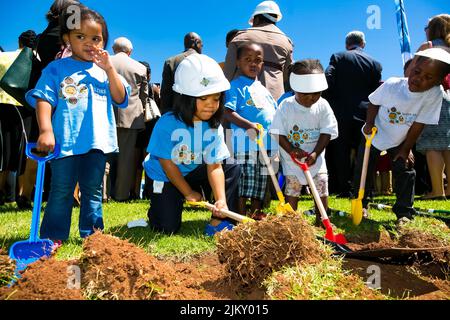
pixel 83 116
pixel 188 147
pixel 239 99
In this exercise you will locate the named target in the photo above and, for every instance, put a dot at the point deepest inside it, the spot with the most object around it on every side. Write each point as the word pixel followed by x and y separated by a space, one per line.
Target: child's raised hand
pixel 101 58
pixel 46 142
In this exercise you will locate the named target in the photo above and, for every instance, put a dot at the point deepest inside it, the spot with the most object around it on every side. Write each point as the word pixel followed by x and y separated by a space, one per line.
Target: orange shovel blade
pixel 357 211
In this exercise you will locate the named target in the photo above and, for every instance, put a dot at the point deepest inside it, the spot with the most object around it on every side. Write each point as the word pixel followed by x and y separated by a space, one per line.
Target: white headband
pixel 436 54
pixel 308 83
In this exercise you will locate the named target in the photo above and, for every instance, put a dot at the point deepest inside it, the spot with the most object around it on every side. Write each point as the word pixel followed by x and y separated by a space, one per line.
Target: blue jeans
pixel 88 170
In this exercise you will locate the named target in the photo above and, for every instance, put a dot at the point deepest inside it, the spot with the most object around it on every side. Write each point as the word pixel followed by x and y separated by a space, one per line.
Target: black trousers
pixel 404 180
pixel 339 156
pixel 166 207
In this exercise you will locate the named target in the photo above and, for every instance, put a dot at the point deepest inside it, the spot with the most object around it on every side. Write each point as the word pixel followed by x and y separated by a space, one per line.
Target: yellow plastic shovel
pixel 357 206
pixel 282 207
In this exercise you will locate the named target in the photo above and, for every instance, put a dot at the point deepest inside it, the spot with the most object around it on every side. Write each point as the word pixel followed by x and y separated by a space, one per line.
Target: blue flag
pixel 402 26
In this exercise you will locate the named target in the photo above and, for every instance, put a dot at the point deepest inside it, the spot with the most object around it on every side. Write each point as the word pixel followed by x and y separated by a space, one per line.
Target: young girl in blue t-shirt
pixel 187 147
pixel 74 105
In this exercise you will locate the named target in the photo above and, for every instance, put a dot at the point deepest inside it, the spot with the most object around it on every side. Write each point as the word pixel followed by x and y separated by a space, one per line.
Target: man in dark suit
pixel 352 75
pixel 192 44
pixel 129 121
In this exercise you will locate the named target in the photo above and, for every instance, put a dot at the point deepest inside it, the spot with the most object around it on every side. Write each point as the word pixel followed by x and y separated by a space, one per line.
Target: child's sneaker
pixel 211 230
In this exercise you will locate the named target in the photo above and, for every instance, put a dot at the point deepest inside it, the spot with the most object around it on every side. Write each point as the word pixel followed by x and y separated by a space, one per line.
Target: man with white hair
pixel 352 75
pixel 277 48
pixel 129 120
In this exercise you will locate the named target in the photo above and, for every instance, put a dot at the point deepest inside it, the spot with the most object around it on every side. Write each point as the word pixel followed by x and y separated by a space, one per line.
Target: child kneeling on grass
pixel 304 125
pixel 187 148
pixel 399 109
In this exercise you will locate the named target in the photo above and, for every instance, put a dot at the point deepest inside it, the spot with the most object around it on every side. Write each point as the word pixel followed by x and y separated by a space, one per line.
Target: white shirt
pixel 399 108
pixel 302 127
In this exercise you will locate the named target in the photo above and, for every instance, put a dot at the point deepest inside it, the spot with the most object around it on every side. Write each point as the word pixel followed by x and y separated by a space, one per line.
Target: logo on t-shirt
pixel 183 155
pixel 71 91
pixel 397 117
pixel 297 137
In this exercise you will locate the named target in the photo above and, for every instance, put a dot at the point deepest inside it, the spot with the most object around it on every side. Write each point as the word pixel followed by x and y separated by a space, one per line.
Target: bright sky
pixel 317 27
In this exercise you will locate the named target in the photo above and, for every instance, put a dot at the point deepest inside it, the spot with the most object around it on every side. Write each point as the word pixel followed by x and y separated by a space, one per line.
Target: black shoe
pixel 2 198
pixel 23 203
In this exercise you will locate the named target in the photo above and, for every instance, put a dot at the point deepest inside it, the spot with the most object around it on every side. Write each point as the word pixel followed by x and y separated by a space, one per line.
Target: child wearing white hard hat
pixel 399 109
pixel 187 148
pixel 304 125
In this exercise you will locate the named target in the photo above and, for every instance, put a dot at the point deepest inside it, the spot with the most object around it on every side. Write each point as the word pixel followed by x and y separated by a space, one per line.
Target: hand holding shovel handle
pixel 229 214
pixel 283 206
pixel 338 238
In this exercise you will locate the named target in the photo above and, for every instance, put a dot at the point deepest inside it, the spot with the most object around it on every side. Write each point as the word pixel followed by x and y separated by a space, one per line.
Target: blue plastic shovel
pixel 28 251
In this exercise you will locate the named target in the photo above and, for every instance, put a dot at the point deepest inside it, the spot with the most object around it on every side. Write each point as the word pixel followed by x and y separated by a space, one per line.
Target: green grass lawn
pixel 14 226
pixel 324 280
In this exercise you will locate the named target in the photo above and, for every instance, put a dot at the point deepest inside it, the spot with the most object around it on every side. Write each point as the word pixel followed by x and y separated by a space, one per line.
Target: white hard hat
pixel 199 75
pixel 267 7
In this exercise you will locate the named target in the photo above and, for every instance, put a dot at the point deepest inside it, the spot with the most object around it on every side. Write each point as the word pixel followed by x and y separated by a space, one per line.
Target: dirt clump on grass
pixel 419 239
pixel 6 268
pixel 252 251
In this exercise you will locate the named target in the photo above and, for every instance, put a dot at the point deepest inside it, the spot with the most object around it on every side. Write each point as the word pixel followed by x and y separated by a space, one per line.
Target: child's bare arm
pixel 177 179
pixel 372 111
pixel 46 140
pixel 216 179
pixel 411 138
pixel 116 87
pixel 322 143
pixel 234 117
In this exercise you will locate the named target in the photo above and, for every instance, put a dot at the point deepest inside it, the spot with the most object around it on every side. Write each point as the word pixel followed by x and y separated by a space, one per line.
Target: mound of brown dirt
pixel 46 279
pixel 116 269
pixel 418 239
pixel 251 251
pixel 6 268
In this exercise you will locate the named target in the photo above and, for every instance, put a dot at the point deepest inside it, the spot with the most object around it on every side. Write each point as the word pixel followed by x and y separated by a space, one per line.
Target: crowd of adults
pixel 351 74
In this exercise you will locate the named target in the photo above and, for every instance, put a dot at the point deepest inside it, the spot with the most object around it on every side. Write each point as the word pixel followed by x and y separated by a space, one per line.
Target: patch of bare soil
pixel 46 279
pixel 251 251
pixel 112 268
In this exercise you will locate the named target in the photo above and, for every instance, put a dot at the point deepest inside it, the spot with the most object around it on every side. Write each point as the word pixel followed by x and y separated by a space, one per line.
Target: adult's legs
pixel 446 155
pixel 126 164
pixel 435 161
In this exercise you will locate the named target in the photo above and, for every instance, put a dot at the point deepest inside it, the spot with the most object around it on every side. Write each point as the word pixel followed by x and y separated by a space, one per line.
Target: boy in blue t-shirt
pixel 247 104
